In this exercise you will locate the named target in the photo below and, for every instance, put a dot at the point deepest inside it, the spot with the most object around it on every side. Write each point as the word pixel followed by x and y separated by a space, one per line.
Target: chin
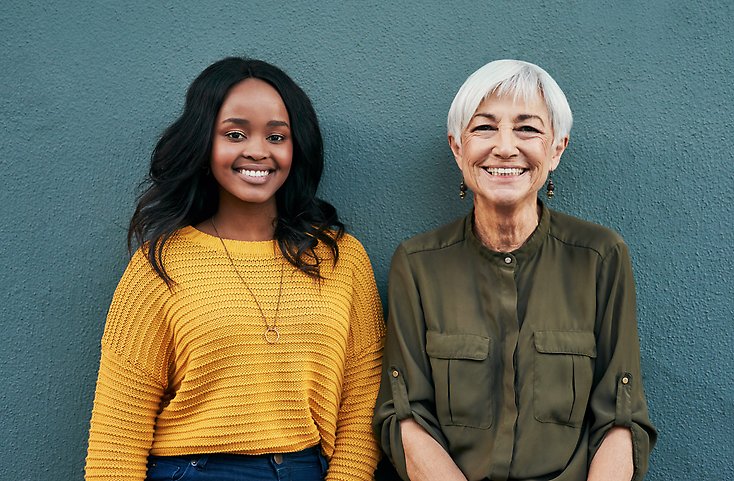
pixel 509 201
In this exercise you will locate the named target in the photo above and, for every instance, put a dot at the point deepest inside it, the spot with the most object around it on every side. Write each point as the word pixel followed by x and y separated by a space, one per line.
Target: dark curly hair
pixel 181 191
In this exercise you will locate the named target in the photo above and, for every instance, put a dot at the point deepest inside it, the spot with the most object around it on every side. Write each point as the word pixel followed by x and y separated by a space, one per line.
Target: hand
pixel 425 459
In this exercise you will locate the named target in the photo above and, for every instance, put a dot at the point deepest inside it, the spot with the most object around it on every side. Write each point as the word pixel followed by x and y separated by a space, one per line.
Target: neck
pixel 505 229
pixel 245 222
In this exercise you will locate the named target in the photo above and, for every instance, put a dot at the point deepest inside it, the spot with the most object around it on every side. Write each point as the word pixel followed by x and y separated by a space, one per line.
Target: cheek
pixel 474 151
pixel 540 150
pixel 285 156
pixel 220 153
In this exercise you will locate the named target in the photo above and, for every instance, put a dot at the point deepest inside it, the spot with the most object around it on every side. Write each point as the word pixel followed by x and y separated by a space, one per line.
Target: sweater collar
pixel 521 254
pixel 242 249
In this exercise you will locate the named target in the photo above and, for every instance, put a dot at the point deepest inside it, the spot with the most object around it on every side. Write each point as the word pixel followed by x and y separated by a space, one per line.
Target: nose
pixel 505 143
pixel 255 149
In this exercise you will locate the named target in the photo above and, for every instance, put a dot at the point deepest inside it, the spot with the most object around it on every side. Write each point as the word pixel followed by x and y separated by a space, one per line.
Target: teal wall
pixel 86 87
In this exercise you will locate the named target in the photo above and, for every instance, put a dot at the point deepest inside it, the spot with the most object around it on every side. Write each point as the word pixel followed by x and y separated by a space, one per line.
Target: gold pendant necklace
pixel 271 334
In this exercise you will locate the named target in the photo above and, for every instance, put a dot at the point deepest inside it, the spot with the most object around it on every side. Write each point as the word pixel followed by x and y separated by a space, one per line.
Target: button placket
pixel 509 260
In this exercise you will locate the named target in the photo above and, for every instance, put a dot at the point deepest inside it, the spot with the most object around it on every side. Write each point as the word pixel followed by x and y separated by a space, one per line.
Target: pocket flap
pixel 566 342
pixel 457 346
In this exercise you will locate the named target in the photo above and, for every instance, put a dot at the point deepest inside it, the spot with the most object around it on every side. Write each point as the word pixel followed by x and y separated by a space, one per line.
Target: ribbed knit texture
pixel 187 370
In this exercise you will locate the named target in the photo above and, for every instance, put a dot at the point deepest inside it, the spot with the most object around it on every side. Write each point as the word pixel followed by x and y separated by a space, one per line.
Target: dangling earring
pixel 550 189
pixel 462 190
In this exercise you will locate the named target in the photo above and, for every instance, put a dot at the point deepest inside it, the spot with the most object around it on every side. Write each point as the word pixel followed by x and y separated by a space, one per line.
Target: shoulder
pixel 352 253
pixel 139 274
pixel 353 260
pixel 177 242
pixel 443 237
pixel 177 249
pixel 575 232
pixel 139 294
pixel 349 244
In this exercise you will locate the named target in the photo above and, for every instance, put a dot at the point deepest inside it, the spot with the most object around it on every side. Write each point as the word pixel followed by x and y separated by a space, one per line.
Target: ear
pixel 558 150
pixel 456 150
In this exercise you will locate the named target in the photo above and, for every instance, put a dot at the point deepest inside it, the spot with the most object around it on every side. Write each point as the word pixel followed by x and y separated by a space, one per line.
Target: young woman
pixel 244 340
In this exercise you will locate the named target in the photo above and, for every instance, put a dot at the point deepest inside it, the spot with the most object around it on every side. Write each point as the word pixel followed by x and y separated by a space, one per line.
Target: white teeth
pixel 504 171
pixel 254 173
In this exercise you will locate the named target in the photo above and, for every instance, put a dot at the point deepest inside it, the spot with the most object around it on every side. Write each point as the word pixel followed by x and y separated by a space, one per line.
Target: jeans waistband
pixel 201 460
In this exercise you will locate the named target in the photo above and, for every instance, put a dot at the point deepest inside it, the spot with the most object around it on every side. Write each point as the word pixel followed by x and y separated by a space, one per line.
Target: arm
pixel 618 398
pixel 121 433
pixel 406 390
pixel 425 459
pixel 356 452
pixel 613 459
pixel 131 378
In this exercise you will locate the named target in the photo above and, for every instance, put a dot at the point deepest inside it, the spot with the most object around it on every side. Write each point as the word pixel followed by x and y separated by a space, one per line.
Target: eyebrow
pixel 238 121
pixel 523 117
pixel 519 118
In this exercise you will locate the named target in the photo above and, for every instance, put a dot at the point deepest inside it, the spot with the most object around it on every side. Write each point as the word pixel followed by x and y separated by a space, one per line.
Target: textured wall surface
pixel 86 87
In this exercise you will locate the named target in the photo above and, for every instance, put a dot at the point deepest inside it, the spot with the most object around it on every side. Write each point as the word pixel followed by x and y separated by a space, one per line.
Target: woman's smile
pixel 256 175
pixel 504 171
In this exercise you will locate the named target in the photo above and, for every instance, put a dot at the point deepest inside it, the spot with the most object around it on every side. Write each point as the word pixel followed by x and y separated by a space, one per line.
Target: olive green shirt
pixel 516 363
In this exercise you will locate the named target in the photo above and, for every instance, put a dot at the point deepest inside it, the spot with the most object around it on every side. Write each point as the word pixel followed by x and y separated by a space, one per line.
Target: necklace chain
pixel 271 334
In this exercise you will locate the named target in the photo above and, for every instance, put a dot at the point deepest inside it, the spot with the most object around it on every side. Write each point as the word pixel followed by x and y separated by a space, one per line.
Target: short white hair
pixel 522 80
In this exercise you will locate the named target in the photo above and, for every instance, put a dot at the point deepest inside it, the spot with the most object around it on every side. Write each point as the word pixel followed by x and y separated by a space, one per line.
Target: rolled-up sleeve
pixel 406 389
pixel 618 397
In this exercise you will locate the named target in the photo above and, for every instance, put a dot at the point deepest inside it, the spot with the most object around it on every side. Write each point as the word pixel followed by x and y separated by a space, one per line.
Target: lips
pixel 504 171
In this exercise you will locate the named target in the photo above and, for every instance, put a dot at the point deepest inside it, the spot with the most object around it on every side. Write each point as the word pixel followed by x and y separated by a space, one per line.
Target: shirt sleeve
pixel 356 452
pixel 132 377
pixel 406 389
pixel 618 397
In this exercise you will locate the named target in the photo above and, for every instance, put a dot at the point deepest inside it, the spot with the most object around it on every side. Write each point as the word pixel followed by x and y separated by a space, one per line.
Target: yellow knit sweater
pixel 187 370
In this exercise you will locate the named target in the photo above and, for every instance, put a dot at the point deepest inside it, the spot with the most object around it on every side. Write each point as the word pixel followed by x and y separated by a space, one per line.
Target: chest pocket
pixel 462 376
pixel 564 368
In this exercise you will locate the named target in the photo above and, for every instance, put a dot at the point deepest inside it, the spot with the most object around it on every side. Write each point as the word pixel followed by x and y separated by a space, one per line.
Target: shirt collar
pixel 521 254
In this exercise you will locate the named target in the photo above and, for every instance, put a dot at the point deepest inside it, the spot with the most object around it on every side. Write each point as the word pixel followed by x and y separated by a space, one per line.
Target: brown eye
pixel 235 135
pixel 276 138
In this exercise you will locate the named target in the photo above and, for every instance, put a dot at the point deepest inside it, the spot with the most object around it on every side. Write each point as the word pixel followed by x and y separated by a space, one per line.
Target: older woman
pixel 512 349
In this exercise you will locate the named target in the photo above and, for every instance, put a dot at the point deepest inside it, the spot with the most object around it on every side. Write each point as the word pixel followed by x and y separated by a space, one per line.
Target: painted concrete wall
pixel 86 87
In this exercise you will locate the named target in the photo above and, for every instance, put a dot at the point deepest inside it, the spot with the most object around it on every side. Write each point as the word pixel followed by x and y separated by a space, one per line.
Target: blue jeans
pixel 306 465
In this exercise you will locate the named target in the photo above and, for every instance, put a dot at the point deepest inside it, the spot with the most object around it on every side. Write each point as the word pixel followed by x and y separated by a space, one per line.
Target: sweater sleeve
pixel 132 376
pixel 356 452
pixel 618 397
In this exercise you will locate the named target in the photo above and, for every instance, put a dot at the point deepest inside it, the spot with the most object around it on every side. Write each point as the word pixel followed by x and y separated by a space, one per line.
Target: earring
pixel 550 189
pixel 462 190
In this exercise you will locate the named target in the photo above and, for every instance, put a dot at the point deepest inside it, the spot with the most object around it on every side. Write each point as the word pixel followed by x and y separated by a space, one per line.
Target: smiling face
pixel 506 151
pixel 252 148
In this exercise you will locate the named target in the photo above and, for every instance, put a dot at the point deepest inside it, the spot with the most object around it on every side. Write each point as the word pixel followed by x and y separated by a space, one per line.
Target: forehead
pixel 254 96
pixel 513 104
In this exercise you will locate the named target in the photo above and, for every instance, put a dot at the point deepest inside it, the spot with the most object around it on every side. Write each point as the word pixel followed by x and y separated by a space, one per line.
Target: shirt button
pixel 278 458
pixel 625 380
pixel 508 260
pixel 395 373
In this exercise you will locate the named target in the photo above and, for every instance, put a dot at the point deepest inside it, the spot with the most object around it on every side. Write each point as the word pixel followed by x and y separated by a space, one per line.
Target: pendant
pixel 271 335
